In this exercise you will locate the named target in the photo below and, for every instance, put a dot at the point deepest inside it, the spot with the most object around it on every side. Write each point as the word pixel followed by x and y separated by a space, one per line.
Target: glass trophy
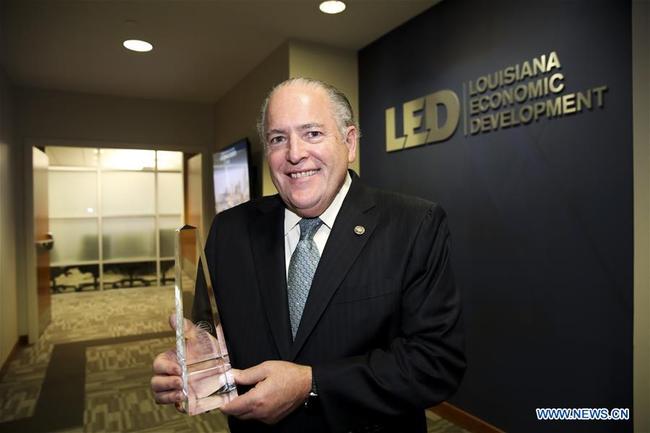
pixel 201 349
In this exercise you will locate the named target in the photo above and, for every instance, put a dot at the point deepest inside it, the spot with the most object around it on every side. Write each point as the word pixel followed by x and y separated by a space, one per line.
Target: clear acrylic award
pixel 201 349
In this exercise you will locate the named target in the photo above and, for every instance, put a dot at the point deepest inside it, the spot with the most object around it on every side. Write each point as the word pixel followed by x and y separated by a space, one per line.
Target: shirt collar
pixel 329 216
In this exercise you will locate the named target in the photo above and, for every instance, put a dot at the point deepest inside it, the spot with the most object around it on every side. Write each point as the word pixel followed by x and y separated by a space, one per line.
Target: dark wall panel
pixel 541 214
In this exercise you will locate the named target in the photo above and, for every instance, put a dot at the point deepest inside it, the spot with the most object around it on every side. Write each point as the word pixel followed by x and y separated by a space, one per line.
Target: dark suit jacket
pixel 382 324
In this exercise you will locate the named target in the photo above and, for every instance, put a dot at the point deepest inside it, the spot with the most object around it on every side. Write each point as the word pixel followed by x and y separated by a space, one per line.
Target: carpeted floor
pixel 90 370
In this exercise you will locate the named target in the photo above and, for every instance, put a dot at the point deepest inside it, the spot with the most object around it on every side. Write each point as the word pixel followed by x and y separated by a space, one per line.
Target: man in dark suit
pixel 337 300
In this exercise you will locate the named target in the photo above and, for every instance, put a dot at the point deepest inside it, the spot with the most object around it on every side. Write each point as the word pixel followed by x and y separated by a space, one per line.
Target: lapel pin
pixel 359 230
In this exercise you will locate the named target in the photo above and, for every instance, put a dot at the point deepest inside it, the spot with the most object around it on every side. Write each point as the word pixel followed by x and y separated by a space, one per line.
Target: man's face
pixel 306 153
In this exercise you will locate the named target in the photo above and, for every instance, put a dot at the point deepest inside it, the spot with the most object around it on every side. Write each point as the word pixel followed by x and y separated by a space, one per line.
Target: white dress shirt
pixel 292 229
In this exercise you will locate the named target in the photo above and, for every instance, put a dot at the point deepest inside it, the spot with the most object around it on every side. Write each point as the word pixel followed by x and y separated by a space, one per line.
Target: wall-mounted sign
pixel 419 129
pixel 515 95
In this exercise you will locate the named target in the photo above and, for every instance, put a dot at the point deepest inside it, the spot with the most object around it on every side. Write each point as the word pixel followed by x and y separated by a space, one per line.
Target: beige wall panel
pixel 8 289
pixel 334 66
pixel 237 111
pixel 84 118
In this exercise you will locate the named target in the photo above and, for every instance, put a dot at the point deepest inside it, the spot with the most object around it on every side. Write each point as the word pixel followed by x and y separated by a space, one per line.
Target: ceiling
pixel 202 48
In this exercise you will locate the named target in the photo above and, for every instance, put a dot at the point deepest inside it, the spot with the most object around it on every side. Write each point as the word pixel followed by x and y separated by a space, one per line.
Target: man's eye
pixel 276 140
pixel 314 134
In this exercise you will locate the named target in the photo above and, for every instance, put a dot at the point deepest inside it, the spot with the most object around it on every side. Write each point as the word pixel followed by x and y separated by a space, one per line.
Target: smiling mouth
pixel 301 174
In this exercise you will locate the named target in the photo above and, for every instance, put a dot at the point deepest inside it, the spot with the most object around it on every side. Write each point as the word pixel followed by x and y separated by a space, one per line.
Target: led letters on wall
pixel 513 96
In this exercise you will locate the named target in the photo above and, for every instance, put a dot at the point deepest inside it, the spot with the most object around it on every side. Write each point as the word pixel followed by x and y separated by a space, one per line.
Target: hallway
pixel 90 370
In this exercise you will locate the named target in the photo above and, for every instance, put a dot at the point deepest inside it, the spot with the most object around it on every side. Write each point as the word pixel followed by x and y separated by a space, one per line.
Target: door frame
pixel 28 298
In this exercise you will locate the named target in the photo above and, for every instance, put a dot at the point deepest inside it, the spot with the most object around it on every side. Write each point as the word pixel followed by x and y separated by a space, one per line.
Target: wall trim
pixel 641 134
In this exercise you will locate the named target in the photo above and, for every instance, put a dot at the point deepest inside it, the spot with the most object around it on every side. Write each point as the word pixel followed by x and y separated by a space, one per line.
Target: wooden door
pixel 42 237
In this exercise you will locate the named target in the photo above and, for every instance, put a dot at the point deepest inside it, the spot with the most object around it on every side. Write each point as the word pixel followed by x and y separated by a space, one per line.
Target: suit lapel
pixel 267 243
pixel 341 250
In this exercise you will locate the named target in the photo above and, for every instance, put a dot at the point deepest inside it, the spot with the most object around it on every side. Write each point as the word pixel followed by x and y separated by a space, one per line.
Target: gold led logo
pixel 427 109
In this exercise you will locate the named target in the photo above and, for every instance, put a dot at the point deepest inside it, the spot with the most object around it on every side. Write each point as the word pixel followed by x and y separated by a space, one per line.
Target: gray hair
pixel 341 107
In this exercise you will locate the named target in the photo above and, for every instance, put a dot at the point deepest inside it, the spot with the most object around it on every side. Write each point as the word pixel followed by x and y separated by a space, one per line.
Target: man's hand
pixel 280 387
pixel 166 384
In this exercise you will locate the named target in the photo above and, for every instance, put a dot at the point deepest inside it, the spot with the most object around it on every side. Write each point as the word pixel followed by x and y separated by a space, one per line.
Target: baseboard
pixel 463 419
pixel 22 341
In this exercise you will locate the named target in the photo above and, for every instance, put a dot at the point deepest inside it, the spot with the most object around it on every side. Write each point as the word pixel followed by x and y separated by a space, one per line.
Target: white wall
pixel 641 122
pixel 8 292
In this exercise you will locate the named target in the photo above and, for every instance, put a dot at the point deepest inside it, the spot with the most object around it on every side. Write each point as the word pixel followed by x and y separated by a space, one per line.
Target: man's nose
pixel 297 149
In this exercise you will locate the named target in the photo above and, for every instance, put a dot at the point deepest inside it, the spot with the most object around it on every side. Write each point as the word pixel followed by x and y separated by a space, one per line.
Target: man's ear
pixel 351 139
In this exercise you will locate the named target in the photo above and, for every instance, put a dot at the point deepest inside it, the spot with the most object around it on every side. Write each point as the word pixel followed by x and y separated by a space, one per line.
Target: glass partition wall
pixel 113 213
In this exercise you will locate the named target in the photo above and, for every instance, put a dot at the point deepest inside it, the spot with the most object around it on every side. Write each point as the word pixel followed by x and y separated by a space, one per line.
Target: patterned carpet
pixel 90 370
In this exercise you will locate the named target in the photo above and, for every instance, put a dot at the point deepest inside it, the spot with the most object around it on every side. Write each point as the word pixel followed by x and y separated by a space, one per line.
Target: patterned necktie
pixel 302 267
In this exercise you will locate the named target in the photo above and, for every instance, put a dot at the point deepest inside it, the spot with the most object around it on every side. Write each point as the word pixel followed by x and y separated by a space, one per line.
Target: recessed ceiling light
pixel 332 6
pixel 137 45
